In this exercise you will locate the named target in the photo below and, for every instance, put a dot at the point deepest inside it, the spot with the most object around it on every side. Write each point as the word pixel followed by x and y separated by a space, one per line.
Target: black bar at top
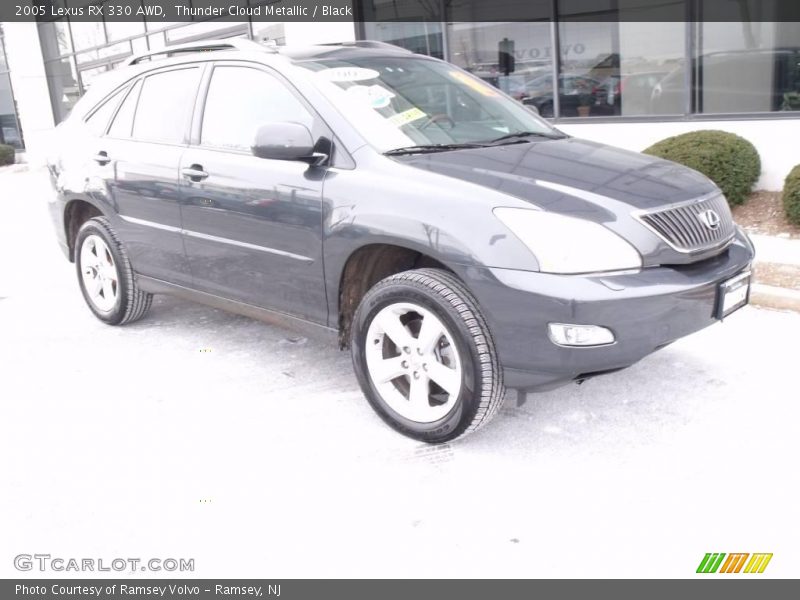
pixel 402 10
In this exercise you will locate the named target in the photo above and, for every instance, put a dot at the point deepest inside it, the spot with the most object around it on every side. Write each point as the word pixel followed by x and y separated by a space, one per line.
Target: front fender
pixel 385 202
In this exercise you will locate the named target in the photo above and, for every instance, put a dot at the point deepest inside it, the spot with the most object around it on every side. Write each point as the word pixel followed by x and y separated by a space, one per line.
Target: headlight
pixel 569 245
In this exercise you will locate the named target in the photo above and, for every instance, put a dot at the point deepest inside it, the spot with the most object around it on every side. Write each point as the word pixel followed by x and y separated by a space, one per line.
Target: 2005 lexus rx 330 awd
pixel 457 242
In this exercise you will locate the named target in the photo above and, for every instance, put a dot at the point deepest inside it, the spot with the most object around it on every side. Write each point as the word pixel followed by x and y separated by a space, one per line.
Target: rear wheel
pixel 424 356
pixel 105 275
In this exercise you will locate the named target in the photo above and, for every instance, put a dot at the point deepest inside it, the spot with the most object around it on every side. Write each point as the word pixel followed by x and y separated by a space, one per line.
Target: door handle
pixel 101 158
pixel 194 172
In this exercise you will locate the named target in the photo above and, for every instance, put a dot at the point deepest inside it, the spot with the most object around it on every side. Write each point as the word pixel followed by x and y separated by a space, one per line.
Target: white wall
pixel 30 87
pixel 776 140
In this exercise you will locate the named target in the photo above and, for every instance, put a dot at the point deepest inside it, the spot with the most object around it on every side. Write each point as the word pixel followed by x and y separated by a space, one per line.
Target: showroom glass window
pixel 205 30
pixel 9 124
pixel 615 67
pixel 515 57
pixel 118 30
pixel 87 34
pixel 415 25
pixel 420 37
pixel 747 67
pixel 607 67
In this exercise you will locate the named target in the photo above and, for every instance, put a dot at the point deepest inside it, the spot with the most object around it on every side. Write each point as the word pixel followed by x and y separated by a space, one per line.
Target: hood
pixel 529 170
pixel 582 179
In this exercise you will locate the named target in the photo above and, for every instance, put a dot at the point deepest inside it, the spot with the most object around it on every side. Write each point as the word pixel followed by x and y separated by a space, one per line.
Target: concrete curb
pixel 782 251
pixel 779 252
pixel 15 168
pixel 770 296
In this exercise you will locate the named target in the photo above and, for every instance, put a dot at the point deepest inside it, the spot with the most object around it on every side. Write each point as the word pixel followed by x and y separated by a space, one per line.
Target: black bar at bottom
pixel 729 587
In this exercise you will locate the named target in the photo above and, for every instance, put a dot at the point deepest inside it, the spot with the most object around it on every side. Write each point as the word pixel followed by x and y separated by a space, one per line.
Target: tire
pixel 430 386
pixel 105 275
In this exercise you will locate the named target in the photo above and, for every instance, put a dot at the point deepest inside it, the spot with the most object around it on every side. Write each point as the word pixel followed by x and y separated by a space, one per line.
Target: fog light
pixel 565 334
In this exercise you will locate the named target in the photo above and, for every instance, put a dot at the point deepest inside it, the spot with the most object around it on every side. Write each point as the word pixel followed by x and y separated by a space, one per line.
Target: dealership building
pixel 610 77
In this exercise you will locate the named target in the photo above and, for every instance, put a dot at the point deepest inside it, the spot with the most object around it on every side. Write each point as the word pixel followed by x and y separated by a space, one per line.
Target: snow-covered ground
pixel 259 456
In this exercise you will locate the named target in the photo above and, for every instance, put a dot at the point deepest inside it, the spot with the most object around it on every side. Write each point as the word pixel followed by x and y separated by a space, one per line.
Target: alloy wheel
pixel 413 362
pixel 99 273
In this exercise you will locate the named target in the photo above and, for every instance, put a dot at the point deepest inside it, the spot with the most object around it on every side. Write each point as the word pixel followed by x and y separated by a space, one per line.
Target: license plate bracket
pixel 733 294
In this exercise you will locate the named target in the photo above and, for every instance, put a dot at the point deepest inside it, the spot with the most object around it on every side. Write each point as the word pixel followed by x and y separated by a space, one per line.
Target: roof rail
pixel 370 44
pixel 203 46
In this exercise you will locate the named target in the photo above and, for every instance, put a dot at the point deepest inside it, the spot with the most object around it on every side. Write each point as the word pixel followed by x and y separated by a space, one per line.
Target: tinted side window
pixel 97 121
pixel 165 105
pixel 241 99
pixel 123 122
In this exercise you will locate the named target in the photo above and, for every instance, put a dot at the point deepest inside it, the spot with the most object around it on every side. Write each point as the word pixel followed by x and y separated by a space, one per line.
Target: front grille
pixel 687 227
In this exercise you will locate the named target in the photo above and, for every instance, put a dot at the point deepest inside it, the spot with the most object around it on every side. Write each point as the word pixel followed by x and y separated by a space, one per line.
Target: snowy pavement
pixel 199 434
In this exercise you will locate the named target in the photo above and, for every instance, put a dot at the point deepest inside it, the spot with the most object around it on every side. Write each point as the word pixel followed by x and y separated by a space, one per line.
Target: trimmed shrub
pixel 728 160
pixel 791 196
pixel 6 155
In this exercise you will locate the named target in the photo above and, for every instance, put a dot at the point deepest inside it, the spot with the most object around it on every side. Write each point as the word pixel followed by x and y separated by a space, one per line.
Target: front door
pixel 252 226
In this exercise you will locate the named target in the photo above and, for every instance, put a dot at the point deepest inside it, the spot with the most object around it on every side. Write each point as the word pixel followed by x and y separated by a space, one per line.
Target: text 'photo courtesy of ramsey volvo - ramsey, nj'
pixel 458 243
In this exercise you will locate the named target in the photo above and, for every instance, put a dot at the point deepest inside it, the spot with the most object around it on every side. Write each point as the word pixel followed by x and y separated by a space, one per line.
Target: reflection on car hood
pixel 571 176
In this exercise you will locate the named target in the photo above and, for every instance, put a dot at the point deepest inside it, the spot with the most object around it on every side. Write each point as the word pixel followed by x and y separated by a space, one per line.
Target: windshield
pixel 397 102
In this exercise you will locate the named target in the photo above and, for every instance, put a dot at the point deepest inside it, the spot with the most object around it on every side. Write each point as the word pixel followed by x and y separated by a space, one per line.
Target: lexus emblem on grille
pixel 710 219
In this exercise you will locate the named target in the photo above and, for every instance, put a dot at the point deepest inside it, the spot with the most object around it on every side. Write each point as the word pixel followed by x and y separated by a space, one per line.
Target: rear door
pixel 88 149
pixel 144 145
pixel 253 226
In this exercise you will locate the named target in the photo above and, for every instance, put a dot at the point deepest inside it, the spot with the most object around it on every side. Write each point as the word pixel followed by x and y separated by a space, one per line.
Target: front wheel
pixel 424 356
pixel 106 276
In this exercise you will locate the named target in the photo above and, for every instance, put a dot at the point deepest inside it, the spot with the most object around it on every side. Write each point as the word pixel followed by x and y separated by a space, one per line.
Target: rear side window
pixel 98 120
pixel 165 105
pixel 123 122
pixel 239 100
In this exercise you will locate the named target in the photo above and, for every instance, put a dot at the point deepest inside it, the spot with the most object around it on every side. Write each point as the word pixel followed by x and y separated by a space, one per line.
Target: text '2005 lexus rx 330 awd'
pixel 456 241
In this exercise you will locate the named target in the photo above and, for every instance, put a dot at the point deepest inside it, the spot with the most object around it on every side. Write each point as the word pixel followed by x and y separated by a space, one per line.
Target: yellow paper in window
pixel 476 84
pixel 412 114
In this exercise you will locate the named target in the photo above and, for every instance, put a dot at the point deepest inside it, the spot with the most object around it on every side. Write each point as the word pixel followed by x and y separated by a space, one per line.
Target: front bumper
pixel 646 310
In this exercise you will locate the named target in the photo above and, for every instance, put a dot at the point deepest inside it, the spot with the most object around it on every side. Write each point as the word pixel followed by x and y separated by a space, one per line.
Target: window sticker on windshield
pixel 475 84
pixel 375 96
pixel 343 74
pixel 412 114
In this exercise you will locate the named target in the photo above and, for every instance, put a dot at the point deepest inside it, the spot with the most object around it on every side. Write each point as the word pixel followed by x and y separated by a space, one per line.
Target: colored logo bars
pixel 734 562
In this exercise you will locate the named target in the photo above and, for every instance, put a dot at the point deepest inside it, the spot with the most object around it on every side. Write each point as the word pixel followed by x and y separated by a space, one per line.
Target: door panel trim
pixel 153 224
pixel 249 246
pixel 214 238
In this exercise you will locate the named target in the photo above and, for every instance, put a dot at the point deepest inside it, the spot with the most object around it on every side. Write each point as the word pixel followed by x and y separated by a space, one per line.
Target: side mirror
pixel 286 141
pixel 532 108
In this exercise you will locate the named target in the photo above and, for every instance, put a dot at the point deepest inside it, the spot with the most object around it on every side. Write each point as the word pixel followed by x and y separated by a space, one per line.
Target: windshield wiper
pixel 525 134
pixel 426 148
